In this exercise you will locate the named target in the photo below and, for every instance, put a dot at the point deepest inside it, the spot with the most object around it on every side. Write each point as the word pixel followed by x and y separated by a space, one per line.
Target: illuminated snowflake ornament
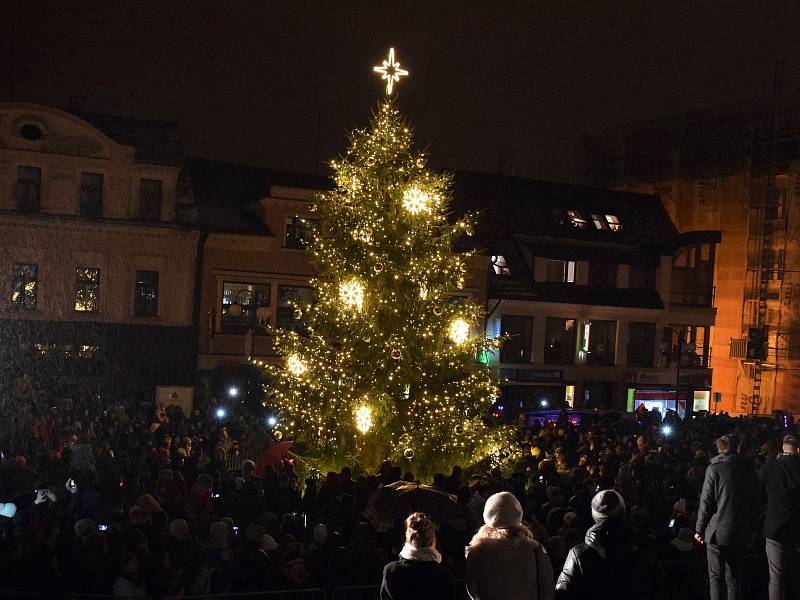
pixel 417 201
pixel 364 419
pixel 459 331
pixel 351 293
pixel 295 365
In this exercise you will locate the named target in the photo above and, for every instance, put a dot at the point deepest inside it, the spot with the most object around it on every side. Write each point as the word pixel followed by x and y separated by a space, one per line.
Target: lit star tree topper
pixel 385 366
pixel 390 71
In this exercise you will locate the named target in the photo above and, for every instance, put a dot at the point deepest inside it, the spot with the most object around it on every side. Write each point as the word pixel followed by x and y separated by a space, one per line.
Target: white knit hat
pixel 607 504
pixel 502 510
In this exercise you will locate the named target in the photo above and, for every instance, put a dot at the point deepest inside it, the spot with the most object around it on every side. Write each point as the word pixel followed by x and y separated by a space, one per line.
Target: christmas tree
pixel 386 365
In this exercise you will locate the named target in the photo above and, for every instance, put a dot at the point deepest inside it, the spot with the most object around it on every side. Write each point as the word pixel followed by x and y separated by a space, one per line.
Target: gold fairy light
pixel 351 293
pixel 459 331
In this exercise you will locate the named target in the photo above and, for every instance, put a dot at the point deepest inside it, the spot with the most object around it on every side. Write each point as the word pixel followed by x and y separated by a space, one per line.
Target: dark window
pixel 693 276
pixel 641 277
pixel 146 300
pixel 641 344
pixel 87 289
pixel 603 274
pixel 24 285
pixel 91 201
pixel 29 188
pixel 602 337
pixel 689 344
pixel 289 297
pixel 560 271
pixel 296 233
pixel 245 306
pixel 150 200
pixel 559 341
pixel 517 348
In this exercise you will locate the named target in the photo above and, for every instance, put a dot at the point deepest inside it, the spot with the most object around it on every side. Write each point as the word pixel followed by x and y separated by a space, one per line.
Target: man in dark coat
pixel 610 564
pixel 728 507
pixel 782 523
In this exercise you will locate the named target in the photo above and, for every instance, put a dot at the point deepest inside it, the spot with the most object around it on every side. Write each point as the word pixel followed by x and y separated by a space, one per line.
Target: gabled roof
pixel 155 142
pixel 529 207
pixel 222 192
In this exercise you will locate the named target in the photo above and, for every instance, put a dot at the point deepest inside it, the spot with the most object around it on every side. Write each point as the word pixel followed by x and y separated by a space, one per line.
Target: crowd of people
pixel 138 503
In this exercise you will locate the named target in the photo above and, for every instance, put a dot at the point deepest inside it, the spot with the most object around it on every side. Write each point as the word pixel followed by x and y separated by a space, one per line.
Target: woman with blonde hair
pixel 418 575
pixel 504 562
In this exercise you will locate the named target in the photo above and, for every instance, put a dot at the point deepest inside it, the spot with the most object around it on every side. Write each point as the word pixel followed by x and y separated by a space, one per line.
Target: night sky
pixel 512 83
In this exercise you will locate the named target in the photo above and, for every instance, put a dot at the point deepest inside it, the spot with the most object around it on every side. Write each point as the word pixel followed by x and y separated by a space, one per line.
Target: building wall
pixel 119 351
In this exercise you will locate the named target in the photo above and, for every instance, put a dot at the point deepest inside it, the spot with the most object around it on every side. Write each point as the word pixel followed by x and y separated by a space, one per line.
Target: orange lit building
pixel 735 169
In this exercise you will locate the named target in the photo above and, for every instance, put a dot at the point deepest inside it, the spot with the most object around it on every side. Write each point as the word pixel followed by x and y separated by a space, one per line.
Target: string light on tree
pixel 364 420
pixel 390 71
pixel 351 293
pixel 459 330
pixel 382 242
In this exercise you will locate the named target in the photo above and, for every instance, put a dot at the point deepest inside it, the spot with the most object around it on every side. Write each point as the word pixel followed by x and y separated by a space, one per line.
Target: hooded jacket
pixel 728 502
pixel 609 564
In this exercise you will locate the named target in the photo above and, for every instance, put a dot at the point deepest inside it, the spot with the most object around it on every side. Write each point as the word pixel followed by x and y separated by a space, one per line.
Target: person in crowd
pixel 728 508
pixel 128 584
pixel 504 562
pixel 609 564
pixel 782 522
pixel 418 574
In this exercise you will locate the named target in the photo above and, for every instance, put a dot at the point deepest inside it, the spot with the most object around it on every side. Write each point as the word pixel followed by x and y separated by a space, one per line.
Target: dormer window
pixel 500 265
pixel 613 223
pixel 599 222
pixel 577 219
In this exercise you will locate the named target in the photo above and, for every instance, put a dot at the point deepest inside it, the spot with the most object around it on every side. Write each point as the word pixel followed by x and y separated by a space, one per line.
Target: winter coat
pixel 415 580
pixel 513 568
pixel 610 565
pixel 782 482
pixel 728 502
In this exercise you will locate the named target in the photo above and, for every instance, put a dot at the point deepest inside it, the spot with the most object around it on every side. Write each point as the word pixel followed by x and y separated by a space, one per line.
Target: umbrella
pixel 393 503
pixel 273 456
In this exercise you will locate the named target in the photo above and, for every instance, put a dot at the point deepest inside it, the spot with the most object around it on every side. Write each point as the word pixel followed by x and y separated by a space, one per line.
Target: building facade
pixel 736 169
pixel 603 303
pixel 96 268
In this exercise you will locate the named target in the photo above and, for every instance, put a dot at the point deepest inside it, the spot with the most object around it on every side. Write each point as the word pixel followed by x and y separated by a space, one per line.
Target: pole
pixel 678 372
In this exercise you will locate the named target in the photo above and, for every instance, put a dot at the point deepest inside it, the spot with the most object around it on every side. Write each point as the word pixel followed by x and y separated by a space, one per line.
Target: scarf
pixel 429 554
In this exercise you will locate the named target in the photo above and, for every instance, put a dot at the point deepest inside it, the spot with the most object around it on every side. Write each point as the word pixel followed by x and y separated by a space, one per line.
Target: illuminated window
pixel 569 396
pixel 613 222
pixel 146 294
pixel 598 221
pixel 576 219
pixel 245 306
pixel 87 289
pixel 500 265
pixel 560 271
pixel 24 285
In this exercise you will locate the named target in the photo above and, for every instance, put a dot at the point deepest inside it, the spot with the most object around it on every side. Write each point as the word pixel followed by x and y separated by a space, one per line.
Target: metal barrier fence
pixel 686 580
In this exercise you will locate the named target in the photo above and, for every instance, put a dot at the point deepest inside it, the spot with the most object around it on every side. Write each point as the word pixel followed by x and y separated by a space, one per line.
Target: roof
pixel 520 218
pixel 530 207
pixel 156 142
pixel 222 192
